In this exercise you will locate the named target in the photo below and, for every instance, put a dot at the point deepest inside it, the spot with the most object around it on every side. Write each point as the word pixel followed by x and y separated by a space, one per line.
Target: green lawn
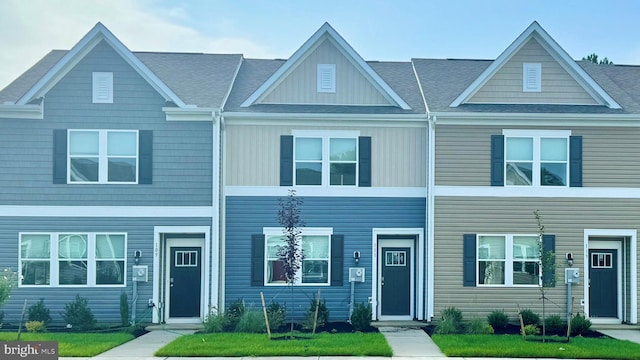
pixel 242 344
pixel 74 344
pixel 515 346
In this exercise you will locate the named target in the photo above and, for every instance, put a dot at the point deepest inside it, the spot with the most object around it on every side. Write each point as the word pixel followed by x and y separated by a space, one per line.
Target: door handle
pixel 382 281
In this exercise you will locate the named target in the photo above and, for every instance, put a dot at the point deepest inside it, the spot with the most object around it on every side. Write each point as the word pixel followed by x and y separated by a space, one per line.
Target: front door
pixel 395 281
pixel 603 290
pixel 185 275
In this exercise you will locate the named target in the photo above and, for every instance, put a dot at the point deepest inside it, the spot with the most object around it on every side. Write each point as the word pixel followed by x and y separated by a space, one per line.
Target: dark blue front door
pixel 184 282
pixel 603 286
pixel 396 281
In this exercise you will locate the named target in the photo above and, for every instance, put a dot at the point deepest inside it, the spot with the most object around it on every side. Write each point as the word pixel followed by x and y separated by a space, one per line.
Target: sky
pixel 390 30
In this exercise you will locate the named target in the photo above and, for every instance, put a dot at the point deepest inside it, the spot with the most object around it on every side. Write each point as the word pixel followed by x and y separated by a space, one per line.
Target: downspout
pixel 430 215
pixel 222 214
pixel 214 276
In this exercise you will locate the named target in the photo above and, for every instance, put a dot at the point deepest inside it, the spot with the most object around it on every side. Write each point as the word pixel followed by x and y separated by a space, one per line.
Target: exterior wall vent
pixel 531 77
pixel 102 87
pixel 326 78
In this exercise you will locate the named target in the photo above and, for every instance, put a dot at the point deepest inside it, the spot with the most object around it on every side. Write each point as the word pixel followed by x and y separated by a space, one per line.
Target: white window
pixel 103 156
pixel 102 87
pixel 72 259
pixel 508 260
pixel 316 247
pixel 326 158
pixel 531 77
pixel 536 158
pixel 326 82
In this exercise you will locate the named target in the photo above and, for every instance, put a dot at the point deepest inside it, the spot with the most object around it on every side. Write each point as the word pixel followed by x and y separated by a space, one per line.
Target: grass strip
pixel 514 346
pixel 243 344
pixel 74 344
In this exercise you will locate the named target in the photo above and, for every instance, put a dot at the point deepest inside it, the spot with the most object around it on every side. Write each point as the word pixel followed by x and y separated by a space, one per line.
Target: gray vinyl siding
pixel 253 154
pixel 352 217
pixel 609 154
pixel 299 86
pixel 103 301
pixel 182 150
pixel 566 218
pixel 558 87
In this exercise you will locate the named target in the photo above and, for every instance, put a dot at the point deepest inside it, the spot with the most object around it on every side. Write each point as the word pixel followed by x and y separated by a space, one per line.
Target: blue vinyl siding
pixel 352 217
pixel 182 158
pixel 103 301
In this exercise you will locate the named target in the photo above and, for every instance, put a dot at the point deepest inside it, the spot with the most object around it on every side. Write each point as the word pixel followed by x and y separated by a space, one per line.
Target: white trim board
pixel 327 191
pixel 105 211
pixel 537 192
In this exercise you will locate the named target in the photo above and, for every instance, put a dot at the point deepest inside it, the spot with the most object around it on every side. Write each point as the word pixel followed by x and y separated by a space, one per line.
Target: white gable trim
pixel 555 50
pixel 80 50
pixel 345 48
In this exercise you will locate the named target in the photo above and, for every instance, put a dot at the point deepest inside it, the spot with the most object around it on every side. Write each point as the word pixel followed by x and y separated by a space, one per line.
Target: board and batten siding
pixel 354 218
pixel 609 154
pixel 566 218
pixel 182 160
pixel 558 87
pixel 253 154
pixel 299 85
pixel 104 301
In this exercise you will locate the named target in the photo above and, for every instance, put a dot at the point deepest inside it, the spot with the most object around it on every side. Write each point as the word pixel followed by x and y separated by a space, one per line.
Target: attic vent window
pixel 326 78
pixel 103 87
pixel 531 77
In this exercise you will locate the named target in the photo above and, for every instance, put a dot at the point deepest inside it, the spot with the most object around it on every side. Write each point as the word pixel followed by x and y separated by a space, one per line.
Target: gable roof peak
pixel 555 50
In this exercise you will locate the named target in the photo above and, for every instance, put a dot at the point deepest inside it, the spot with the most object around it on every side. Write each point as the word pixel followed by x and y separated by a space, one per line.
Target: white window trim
pixel 508 266
pixel 103 157
pixel 330 70
pixel 536 135
pixel 97 78
pixel 276 231
pixel 54 274
pixel 528 86
pixel 326 136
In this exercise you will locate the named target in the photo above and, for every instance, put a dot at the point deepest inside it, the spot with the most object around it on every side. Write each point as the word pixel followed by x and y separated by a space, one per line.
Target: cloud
pixel 32 28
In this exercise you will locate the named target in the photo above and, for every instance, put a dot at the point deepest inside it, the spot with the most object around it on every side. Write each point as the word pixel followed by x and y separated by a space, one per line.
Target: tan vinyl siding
pixel 558 87
pixel 566 218
pixel 253 154
pixel 609 155
pixel 299 86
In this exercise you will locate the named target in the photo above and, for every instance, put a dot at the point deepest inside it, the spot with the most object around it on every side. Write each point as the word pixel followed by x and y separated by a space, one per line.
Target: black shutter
pixel 337 260
pixel 549 244
pixel 257 260
pixel 60 156
pixel 497 160
pixel 469 260
pixel 364 161
pixel 145 152
pixel 286 160
pixel 575 161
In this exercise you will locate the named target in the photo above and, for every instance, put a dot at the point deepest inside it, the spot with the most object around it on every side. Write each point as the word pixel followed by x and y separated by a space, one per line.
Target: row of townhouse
pixel 159 175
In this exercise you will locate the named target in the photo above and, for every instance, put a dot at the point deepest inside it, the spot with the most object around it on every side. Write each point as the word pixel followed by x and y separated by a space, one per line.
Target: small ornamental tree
pixel 547 264
pixel 291 253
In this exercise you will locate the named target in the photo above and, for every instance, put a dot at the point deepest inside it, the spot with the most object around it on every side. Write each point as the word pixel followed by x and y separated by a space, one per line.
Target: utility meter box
pixel 140 273
pixel 356 274
pixel 571 276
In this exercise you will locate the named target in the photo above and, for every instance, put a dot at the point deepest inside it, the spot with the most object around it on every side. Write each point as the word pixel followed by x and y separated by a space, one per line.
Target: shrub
pixel 39 312
pixel 251 321
pixel 498 320
pixel 1 318
pixel 555 324
pixel 233 314
pixel 361 317
pixel 215 322
pixel 479 326
pixel 531 330
pixel 35 326
pixel 124 309
pixel 8 279
pixel 453 315
pixel 529 317
pixel 580 325
pixel 79 315
pixel 447 327
pixel 276 314
pixel 323 313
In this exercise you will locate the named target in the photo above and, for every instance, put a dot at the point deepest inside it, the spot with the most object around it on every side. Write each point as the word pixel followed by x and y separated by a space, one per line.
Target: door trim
pixel 417 273
pixel 591 242
pixel 209 275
